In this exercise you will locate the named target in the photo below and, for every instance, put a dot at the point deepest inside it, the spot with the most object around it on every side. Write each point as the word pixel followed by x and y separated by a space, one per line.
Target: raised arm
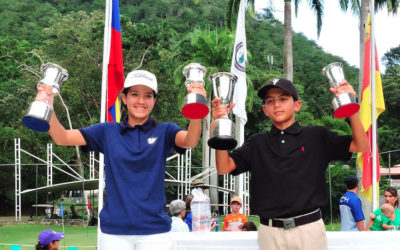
pixel 190 138
pixel 225 163
pixel 360 140
pixel 58 133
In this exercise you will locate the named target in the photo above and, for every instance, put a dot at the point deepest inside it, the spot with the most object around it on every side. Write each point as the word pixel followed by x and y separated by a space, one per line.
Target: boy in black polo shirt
pixel 288 166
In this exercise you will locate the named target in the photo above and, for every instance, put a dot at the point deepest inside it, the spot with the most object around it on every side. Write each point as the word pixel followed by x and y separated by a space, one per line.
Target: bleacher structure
pixel 178 173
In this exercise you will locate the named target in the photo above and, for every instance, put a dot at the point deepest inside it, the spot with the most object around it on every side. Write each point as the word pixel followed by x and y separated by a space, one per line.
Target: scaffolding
pixel 178 174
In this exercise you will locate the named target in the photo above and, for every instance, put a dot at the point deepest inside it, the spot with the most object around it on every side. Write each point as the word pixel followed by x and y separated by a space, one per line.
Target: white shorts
pixel 161 241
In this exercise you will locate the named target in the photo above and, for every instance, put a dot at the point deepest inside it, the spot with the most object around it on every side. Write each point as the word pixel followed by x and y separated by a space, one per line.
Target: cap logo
pixel 275 81
pixel 138 75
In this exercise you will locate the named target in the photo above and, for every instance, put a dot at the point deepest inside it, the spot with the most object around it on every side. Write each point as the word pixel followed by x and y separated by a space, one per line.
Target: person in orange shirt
pixel 234 221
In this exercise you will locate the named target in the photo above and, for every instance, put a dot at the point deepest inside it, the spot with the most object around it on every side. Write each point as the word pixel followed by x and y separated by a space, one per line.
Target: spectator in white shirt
pixel 177 210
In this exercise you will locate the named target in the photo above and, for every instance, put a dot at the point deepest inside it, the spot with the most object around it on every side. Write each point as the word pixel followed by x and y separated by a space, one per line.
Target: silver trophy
pixel 345 104
pixel 223 129
pixel 195 105
pixel 39 113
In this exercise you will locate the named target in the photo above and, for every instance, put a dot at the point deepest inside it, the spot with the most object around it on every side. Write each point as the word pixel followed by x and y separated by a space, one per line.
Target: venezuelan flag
pixel 115 80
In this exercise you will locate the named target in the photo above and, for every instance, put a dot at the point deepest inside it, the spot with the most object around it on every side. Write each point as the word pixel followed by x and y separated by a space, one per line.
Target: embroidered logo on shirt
pixel 151 140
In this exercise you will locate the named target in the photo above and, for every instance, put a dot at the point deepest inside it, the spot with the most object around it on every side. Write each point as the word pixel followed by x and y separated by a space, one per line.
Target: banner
pixel 365 159
pixel 115 79
pixel 238 66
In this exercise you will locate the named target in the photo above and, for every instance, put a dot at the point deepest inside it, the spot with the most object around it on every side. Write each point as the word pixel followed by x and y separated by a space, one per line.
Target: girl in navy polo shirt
pixel 135 152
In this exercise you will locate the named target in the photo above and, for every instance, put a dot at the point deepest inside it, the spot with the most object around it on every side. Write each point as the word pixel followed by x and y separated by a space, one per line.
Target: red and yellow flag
pixel 365 159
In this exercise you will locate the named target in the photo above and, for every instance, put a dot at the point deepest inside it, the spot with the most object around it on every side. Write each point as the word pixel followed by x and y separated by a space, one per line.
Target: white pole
pixel 373 90
pixel 240 139
pixel 106 55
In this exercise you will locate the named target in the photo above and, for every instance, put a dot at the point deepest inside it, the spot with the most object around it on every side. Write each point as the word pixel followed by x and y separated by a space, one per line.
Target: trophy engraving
pixel 345 104
pixel 222 129
pixel 39 112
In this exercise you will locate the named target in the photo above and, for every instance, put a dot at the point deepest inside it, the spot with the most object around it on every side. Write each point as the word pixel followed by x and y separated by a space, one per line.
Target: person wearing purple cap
pixel 288 167
pixel 48 240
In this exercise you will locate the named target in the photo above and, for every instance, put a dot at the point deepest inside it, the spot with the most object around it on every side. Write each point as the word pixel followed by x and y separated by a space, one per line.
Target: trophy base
pixel 195 106
pixel 346 111
pixel 38 117
pixel 222 131
pixel 35 124
pixel 345 105
pixel 222 142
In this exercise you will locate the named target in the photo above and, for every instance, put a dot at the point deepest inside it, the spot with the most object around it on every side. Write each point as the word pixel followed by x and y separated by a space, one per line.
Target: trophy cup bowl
pixel 39 113
pixel 195 105
pixel 222 129
pixel 345 104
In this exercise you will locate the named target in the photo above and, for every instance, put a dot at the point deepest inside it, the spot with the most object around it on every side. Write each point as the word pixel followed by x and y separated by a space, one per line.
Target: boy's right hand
pixel 219 110
pixel 45 94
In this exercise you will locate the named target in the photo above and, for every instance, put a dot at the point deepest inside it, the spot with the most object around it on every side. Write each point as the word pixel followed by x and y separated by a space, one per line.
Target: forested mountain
pixel 161 36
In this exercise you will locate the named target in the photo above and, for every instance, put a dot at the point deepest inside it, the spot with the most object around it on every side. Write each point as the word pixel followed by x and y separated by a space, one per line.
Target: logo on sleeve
pixel 151 140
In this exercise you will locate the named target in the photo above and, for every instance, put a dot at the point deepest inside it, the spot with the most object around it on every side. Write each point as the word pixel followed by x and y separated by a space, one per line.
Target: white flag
pixel 238 67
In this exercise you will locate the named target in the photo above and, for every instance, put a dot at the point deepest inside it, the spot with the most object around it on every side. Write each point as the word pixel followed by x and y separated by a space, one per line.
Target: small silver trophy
pixel 39 114
pixel 345 104
pixel 222 129
pixel 195 105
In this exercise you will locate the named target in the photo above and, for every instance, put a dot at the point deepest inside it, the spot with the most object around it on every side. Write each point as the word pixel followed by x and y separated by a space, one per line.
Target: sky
pixel 340 33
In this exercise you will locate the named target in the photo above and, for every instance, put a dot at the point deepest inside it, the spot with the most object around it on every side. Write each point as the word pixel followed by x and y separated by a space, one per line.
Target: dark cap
pixel 351 182
pixel 281 83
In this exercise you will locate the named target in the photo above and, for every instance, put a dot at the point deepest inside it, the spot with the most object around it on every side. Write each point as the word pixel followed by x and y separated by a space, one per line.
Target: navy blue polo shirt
pixel 288 168
pixel 135 160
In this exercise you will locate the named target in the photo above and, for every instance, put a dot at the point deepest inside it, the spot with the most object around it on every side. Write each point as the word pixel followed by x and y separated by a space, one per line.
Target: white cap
pixel 141 77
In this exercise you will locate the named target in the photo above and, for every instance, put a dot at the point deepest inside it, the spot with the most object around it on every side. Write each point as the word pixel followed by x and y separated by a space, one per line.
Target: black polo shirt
pixel 288 168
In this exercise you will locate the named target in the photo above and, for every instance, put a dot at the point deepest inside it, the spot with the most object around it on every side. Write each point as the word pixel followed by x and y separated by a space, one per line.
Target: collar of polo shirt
pixel 295 128
pixel 145 126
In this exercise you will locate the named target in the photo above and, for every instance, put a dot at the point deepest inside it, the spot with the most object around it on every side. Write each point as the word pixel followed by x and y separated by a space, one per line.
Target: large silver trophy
pixel 195 105
pixel 223 129
pixel 345 104
pixel 39 114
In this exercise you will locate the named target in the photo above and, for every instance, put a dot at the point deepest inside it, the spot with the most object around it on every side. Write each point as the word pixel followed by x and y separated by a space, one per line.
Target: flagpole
pixel 106 55
pixel 373 91
pixel 238 68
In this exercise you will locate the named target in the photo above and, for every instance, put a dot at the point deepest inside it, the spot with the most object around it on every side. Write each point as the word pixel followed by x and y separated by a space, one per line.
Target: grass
pixel 26 235
pixel 333 227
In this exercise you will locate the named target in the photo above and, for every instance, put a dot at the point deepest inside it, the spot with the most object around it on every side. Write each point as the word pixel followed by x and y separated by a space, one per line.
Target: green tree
pixel 25 19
